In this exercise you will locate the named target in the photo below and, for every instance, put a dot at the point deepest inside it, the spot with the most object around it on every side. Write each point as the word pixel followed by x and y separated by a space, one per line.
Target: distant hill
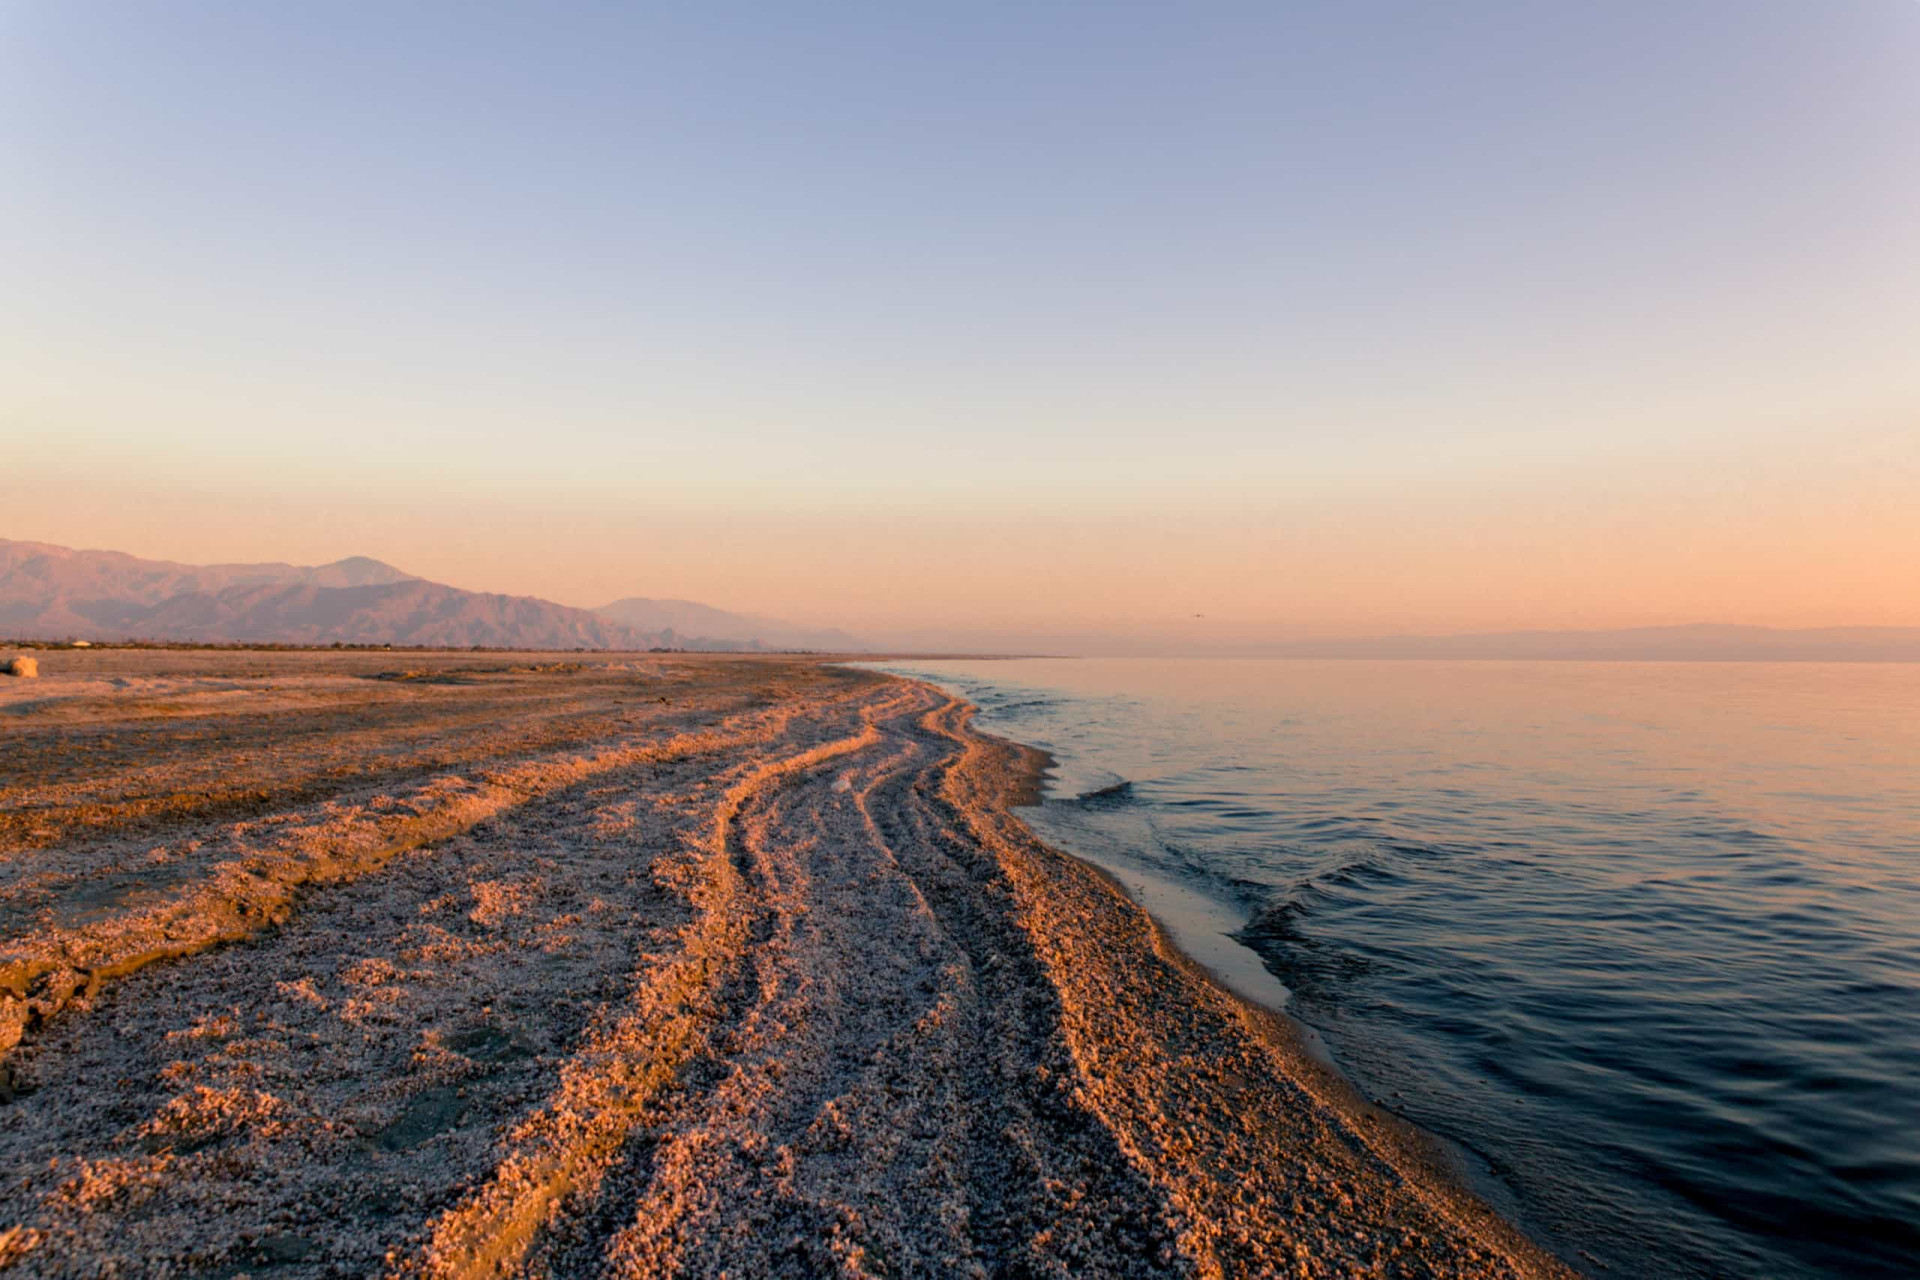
pixel 688 618
pixel 51 592
pixel 1697 643
pixel 409 612
pixel 45 589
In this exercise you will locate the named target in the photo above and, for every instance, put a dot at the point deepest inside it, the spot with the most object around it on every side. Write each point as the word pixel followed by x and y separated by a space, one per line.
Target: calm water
pixel 1643 940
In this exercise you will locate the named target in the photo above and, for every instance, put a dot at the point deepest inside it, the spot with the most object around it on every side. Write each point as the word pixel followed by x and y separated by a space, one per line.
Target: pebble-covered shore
pixel 542 965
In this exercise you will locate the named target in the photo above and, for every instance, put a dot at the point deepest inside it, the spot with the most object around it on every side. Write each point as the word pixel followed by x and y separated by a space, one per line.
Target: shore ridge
pixel 320 964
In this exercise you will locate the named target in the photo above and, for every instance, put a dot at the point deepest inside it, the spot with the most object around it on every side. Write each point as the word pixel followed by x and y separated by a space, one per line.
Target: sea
pixel 1638 942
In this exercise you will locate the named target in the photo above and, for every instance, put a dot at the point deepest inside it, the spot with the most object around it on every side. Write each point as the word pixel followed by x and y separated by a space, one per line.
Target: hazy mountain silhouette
pixel 410 612
pixel 736 630
pixel 58 589
pixel 51 592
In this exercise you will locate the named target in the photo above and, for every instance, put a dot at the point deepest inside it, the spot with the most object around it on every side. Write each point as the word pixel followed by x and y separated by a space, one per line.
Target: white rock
pixel 22 667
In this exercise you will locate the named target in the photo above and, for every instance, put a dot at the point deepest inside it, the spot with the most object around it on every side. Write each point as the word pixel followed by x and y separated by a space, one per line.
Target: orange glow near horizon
pixel 968 332
pixel 1819 532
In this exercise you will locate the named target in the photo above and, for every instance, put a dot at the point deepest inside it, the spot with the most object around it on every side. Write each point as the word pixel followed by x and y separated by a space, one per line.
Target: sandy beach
pixel 461 964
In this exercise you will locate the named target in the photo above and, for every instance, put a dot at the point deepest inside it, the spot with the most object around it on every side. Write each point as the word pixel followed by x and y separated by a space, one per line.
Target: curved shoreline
pixel 699 965
pixel 1444 1159
pixel 1411 1151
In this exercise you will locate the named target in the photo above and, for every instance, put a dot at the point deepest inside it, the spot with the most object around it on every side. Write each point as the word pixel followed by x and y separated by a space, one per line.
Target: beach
pixel 465 964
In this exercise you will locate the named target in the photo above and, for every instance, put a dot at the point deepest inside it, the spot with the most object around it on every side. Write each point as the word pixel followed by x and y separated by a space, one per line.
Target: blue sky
pixel 799 307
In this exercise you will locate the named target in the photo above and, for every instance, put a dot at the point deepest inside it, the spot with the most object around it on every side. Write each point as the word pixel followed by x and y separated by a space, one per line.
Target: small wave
pixel 1001 706
pixel 1276 921
pixel 1117 793
pixel 1311 967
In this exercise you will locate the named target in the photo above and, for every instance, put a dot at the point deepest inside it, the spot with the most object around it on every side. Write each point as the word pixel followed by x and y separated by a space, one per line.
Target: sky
pixel 984 324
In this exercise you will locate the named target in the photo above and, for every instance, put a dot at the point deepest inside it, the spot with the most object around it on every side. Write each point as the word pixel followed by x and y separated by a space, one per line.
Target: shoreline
pixel 674 964
pixel 1422 1157
pixel 1226 962
pixel 1186 916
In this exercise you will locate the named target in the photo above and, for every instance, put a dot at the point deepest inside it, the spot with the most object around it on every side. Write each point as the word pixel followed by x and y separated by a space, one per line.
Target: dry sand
pixel 464 965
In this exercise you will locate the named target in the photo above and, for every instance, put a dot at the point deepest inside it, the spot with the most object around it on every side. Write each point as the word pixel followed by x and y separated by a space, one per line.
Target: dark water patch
pixel 1109 796
pixel 1647 938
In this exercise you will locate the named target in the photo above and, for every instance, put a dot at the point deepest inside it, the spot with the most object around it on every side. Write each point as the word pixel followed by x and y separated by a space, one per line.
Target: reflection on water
pixel 1644 938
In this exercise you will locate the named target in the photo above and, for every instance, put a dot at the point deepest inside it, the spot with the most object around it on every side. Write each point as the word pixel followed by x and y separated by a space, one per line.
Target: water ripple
pixel 1643 939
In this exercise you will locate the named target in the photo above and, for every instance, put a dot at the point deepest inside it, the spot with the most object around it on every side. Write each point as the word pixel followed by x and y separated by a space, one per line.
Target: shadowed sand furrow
pixel 851 982
pixel 42 972
pixel 351 1069
pixel 774 1018
pixel 564 1149
pixel 780 990
pixel 1050 1190
pixel 531 958
pixel 277 767
pixel 88 770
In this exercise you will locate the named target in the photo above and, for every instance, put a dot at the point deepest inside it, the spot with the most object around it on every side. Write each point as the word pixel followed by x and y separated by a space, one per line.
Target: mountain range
pixel 743 630
pixel 53 592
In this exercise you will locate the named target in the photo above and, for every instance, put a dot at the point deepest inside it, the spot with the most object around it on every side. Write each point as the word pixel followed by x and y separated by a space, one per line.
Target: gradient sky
pixel 984 324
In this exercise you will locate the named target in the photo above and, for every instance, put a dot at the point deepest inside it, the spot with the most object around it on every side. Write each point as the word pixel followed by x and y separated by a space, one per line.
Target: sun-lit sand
pixel 550 965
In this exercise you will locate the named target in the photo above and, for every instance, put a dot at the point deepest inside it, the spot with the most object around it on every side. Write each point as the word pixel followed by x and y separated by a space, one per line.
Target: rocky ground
pixel 472 965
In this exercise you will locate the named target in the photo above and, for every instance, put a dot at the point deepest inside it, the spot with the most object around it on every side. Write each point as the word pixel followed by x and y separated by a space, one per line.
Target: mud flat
pixel 473 965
